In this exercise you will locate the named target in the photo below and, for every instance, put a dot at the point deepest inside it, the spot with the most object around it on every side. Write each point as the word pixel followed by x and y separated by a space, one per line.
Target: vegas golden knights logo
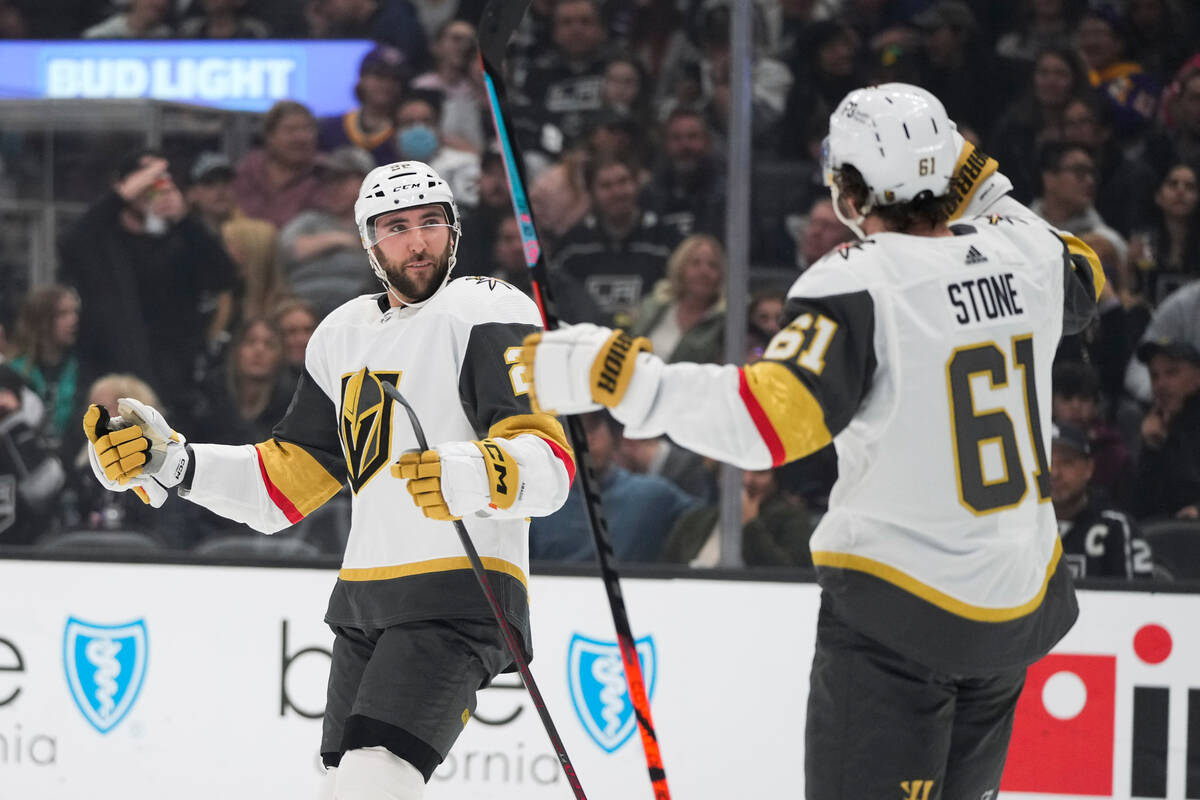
pixel 916 790
pixel 366 424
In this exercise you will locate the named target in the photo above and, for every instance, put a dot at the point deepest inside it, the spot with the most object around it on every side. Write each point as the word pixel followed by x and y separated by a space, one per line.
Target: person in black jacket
pixel 619 251
pixel 144 269
pixel 1097 540
pixel 1168 475
pixel 30 474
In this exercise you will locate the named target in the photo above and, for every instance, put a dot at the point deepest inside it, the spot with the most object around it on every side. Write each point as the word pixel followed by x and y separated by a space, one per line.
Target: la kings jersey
pixel 454 360
pixel 927 361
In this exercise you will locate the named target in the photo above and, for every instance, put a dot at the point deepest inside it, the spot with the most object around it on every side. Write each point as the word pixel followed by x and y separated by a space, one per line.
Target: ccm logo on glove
pixel 504 487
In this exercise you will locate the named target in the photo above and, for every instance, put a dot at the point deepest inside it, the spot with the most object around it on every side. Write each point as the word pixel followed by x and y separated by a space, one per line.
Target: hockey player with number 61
pixel 923 351
pixel 414 637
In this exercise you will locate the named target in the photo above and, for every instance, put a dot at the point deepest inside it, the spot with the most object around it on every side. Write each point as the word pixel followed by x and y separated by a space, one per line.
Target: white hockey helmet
pixel 396 186
pixel 898 137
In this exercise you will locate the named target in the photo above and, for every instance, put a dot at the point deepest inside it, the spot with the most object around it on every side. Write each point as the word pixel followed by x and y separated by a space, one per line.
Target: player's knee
pixel 374 773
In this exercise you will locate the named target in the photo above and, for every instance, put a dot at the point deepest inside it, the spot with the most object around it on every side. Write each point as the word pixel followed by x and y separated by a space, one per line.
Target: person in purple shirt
pixel 382 83
pixel 278 181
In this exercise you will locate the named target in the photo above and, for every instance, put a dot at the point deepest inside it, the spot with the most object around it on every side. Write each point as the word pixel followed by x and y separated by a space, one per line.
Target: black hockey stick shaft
pixel 500 19
pixel 510 636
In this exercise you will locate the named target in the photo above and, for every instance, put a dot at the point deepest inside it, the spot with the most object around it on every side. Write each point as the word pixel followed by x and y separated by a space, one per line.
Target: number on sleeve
pixel 818 334
pixel 516 373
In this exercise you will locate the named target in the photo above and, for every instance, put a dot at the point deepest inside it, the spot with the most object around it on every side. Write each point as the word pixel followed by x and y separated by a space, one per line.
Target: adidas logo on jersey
pixel 975 257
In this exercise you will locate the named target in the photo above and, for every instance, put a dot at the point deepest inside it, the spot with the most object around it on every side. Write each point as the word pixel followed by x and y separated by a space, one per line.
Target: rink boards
pixel 151 681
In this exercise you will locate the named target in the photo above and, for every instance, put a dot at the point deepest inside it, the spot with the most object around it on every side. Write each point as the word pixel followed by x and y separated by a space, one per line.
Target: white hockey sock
pixel 374 773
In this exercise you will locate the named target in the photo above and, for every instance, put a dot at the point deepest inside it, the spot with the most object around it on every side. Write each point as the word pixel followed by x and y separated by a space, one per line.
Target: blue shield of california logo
pixel 105 665
pixel 598 690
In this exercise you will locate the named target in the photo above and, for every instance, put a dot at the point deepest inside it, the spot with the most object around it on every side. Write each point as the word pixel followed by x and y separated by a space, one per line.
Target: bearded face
pixel 413 250
pixel 418 277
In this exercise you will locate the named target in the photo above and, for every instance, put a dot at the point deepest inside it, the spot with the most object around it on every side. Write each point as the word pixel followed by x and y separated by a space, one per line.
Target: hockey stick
pixel 500 19
pixel 510 636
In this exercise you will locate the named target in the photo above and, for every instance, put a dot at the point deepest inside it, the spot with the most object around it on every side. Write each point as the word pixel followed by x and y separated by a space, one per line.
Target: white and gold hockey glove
pixel 580 368
pixel 460 478
pixel 146 445
pixel 99 428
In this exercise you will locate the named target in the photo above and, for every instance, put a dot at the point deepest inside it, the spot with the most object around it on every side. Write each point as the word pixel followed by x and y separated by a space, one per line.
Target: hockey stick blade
pixel 510 636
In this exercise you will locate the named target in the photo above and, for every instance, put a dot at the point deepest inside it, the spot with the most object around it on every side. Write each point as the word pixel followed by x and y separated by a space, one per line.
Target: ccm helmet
pixel 899 139
pixel 392 187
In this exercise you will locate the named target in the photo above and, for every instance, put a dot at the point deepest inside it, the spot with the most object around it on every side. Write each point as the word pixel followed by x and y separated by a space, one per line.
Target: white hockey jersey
pixel 927 361
pixel 454 360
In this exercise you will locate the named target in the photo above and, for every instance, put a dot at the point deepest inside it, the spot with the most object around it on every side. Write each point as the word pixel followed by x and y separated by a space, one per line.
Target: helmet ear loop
pixel 854 224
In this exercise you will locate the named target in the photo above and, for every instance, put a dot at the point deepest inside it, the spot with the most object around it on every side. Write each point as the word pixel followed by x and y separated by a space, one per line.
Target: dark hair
pixel 1051 154
pixel 431 97
pixel 924 210
pixel 130 161
pixel 1075 379
pixel 284 108
pixel 593 166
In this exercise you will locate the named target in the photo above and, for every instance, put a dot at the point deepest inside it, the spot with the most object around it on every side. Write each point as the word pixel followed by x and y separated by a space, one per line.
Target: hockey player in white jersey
pixel 923 350
pixel 414 637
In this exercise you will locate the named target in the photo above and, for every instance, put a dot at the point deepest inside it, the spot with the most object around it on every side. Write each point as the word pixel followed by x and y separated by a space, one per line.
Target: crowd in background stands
pixel 194 286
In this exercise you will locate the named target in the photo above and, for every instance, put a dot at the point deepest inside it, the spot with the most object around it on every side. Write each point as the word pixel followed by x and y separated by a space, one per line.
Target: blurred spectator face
pixel 293 141
pixel 1080 124
pixel 417 129
pixel 836 56
pixel 493 185
pixel 702 273
pixel 823 232
pixel 577 29
pixel 759 483
pixel 600 441
pixel 1051 81
pixel 942 44
pixel 12 21
pixel 1070 472
pixel 1079 411
pixel 610 140
pixel 1047 9
pixel 341 193
pixel 1185 109
pixel 1099 44
pixel 378 88
pixel 66 320
pixel 152 12
pixel 213 199
pixel 297 328
pixel 260 352
pixel 1073 184
pixel 621 84
pixel 509 249
pixel 221 7
pixel 1172 381
pixel 765 313
pixel 342 10
pixel 456 45
pixel 686 143
pixel 1147 15
pixel 1177 195
pixel 614 193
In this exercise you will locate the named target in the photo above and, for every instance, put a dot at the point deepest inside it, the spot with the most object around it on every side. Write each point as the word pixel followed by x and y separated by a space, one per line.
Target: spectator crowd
pixel 194 285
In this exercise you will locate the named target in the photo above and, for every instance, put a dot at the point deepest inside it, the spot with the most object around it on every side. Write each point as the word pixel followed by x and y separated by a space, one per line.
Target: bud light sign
pixel 237 75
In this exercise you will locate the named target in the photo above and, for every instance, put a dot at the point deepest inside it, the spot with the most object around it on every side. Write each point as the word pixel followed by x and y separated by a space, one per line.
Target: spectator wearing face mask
pixel 418 138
